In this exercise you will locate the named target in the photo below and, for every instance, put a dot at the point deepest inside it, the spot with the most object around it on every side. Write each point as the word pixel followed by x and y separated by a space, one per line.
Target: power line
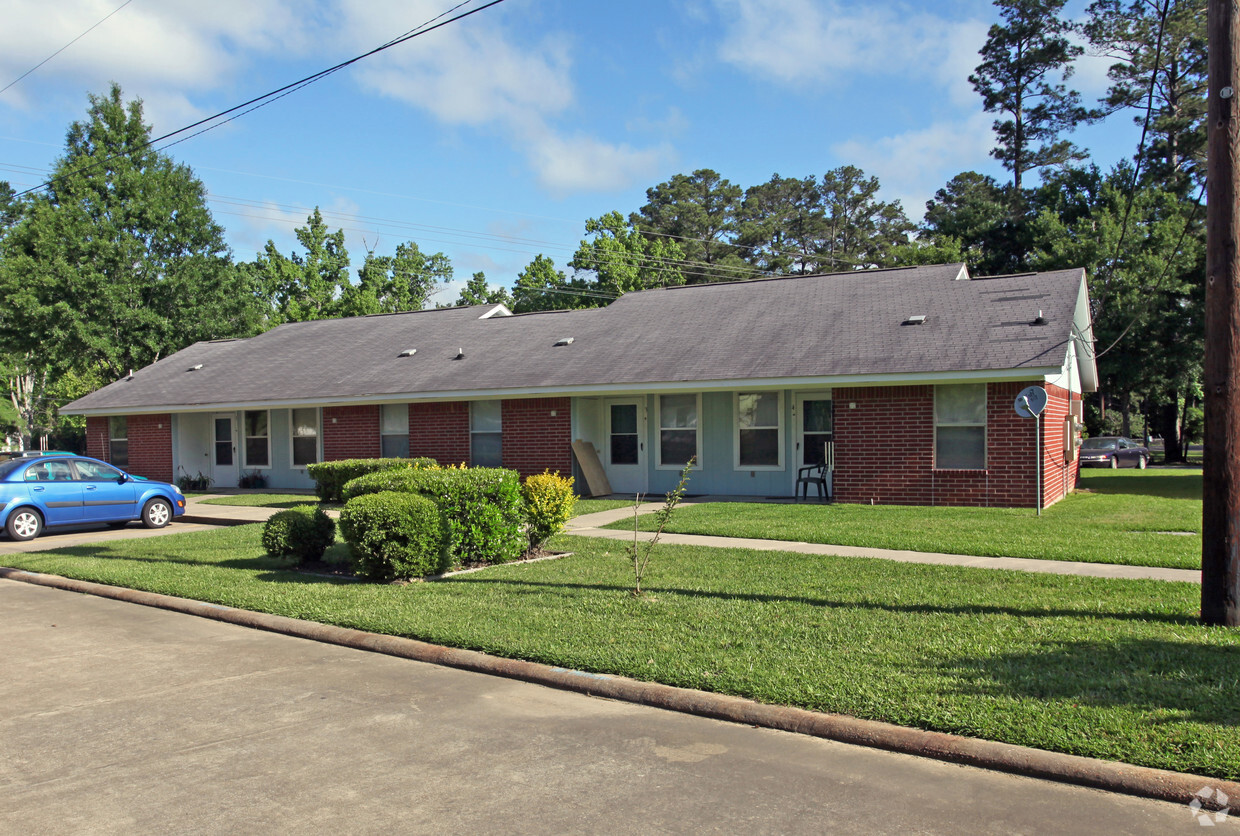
pixel 66 46
pixel 280 92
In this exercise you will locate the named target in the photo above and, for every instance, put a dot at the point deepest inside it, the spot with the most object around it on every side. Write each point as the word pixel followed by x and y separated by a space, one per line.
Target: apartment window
pixel 305 436
pixel 960 426
pixel 678 430
pixel 759 431
pixel 118 440
pixel 486 439
pixel 394 430
pixel 257 439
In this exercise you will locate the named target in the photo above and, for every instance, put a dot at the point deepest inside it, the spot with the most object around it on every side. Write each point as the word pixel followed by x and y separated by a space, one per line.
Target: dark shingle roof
pixel 794 327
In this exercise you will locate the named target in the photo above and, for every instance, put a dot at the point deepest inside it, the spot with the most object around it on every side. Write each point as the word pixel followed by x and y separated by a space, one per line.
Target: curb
pixel 1111 776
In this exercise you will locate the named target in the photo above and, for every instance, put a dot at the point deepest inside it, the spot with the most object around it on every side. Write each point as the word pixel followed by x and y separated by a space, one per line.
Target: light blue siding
pixel 282 474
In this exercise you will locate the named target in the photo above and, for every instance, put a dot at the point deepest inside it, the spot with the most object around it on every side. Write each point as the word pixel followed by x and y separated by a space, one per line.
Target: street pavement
pixel 118 718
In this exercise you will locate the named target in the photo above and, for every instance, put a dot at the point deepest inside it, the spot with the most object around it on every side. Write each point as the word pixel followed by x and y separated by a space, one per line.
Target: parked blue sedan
pixel 58 489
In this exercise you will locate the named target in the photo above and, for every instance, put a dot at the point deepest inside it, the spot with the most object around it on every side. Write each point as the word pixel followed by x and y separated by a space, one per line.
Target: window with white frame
pixel 394 430
pixel 960 426
pixel 679 439
pixel 759 431
pixel 486 438
pixel 257 438
pixel 118 440
pixel 304 431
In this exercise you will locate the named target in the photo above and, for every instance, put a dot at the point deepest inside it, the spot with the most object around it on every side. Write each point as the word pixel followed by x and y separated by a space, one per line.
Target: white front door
pixel 815 422
pixel 624 445
pixel 224 470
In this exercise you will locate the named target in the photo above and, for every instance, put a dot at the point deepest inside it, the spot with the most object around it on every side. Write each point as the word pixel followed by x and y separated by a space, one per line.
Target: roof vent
pixel 408 352
pixel 194 368
pixel 460 354
pixel 915 319
pixel 1039 320
pixel 564 341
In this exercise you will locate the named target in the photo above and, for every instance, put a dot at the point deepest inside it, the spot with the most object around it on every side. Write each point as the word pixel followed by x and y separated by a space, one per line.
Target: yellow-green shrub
pixel 549 502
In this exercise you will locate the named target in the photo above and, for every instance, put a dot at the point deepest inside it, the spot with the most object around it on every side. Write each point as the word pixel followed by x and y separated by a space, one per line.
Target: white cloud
pixel 164 53
pixel 479 76
pixel 912 165
pixel 824 41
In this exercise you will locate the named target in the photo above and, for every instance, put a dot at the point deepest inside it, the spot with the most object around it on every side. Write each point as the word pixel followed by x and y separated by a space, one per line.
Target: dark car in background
pixel 65 489
pixel 1113 451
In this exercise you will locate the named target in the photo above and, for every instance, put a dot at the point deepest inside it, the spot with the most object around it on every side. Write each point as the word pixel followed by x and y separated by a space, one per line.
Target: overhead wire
pixel 66 46
pixel 210 122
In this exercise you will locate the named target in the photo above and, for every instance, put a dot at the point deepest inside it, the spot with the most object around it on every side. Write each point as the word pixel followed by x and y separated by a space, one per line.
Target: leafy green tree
pixel 620 259
pixel 1146 290
pixel 304 286
pixel 974 211
pixel 477 292
pixel 859 230
pixel 1176 64
pixel 541 287
pixel 391 284
pixel 698 212
pixel 781 225
pixel 1025 60
pixel 119 262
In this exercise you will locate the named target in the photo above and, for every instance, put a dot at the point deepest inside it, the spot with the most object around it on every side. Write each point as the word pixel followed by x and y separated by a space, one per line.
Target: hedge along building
pixel 904 379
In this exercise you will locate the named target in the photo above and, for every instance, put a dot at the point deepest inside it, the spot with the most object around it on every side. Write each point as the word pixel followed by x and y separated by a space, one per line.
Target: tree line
pixel 118 262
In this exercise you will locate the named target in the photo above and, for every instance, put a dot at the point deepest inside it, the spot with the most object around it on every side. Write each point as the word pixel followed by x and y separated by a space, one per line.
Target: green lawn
pixel 1106 668
pixel 591 506
pixel 1120 517
pixel 265 500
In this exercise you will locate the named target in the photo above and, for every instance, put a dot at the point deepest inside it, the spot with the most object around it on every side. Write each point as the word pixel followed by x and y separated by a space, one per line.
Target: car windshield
pixel 1098 444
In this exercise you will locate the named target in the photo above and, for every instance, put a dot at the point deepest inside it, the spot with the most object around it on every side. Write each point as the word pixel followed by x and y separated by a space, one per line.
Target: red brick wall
pixel 97 437
pixel 351 432
pixel 440 430
pixel 1059 476
pixel 150 446
pixel 534 439
pixel 885 450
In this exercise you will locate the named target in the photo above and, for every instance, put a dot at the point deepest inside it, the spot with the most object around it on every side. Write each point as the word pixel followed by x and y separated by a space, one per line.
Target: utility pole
pixel 1220 518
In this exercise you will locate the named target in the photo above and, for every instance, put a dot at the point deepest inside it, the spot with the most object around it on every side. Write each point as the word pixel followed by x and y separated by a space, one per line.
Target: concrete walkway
pixel 589 525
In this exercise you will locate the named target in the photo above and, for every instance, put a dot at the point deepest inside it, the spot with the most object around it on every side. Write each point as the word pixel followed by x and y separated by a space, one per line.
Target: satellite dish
pixel 1030 402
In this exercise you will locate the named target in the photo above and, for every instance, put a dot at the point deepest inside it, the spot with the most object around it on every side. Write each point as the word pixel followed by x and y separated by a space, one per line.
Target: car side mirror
pixel 122 479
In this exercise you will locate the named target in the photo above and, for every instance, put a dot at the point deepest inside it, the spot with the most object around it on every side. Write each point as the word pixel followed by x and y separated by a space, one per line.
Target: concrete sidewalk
pixel 589 525
pixel 198 511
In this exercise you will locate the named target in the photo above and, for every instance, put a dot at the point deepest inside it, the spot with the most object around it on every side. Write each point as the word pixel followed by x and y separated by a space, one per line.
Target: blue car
pixel 59 489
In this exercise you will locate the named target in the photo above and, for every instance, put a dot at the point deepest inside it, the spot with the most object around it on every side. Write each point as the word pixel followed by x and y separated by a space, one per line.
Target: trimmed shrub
pixel 330 477
pixel 304 532
pixel 481 507
pixel 549 501
pixel 394 536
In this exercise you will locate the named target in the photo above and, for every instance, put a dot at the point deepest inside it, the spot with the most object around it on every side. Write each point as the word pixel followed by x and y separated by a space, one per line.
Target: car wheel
pixel 157 513
pixel 24 524
pixel 1142 462
pixel 1115 462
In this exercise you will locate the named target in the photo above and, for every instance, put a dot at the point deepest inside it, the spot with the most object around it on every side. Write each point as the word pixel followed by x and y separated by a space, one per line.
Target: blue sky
pixel 493 139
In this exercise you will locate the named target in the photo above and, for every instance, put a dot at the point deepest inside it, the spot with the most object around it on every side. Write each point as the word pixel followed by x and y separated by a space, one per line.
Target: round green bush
pixel 394 536
pixel 304 532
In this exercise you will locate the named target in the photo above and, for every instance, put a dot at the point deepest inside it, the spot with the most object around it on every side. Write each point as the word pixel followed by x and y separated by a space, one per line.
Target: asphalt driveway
pixel 117 718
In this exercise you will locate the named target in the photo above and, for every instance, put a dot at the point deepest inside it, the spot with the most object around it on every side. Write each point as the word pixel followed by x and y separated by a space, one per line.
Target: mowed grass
pixel 1139 518
pixel 1115 669
pixel 265 500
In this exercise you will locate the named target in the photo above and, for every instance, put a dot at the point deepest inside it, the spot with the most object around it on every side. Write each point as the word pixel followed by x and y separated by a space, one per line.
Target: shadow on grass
pixel 1164 486
pixel 1199 682
pixel 932 609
